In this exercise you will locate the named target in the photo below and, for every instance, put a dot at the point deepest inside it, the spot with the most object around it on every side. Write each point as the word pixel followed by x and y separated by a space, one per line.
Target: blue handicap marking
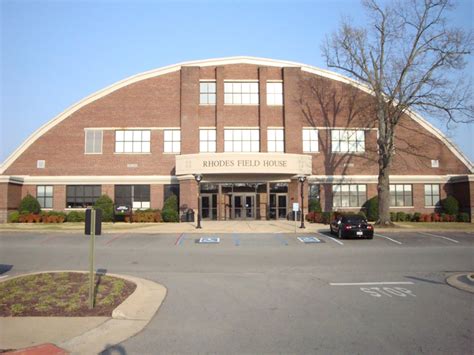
pixel 309 240
pixel 210 240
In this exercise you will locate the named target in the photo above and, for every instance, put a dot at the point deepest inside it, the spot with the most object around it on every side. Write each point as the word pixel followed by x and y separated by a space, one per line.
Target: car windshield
pixel 353 219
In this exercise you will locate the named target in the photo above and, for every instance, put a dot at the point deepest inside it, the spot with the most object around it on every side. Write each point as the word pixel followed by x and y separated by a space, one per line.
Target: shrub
pixel 14 217
pixel 463 217
pixel 372 208
pixel 76 216
pixel 146 216
pixel 450 205
pixel 314 217
pixel 314 205
pixel 425 217
pixel 416 217
pixel 105 204
pixel 53 217
pixel 393 216
pixel 30 218
pixel 170 209
pixel 362 213
pixel 408 217
pixel 401 216
pixel 435 217
pixel 29 204
pixel 327 217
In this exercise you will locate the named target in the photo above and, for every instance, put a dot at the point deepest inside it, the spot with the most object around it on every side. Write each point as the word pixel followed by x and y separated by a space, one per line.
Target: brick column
pixel 220 109
pixel 263 108
pixel 292 110
pixel 189 110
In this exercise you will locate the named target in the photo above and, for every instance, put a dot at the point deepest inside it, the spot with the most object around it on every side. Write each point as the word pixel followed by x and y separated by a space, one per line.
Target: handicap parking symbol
pixel 309 240
pixel 210 240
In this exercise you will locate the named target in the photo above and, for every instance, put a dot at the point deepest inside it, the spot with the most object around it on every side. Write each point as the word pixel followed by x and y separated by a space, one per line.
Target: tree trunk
pixel 384 143
pixel 383 189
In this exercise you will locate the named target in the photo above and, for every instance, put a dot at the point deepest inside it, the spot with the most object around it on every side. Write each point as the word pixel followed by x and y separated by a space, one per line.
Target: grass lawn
pixel 61 294
pixel 467 227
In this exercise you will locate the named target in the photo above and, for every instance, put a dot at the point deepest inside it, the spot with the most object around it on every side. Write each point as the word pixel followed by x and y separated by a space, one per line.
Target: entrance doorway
pixel 243 206
pixel 278 205
pixel 209 206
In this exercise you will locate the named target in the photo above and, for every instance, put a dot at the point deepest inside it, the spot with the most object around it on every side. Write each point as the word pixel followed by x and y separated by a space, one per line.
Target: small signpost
pixel 93 227
pixel 296 208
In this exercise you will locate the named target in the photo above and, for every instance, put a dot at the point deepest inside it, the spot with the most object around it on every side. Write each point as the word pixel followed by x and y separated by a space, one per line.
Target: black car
pixel 352 225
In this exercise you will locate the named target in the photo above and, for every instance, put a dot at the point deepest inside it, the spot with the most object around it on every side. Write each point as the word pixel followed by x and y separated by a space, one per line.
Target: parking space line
pixel 438 236
pixel 371 283
pixel 333 239
pixel 383 236
pixel 113 239
pixel 236 240
pixel 179 240
pixel 281 239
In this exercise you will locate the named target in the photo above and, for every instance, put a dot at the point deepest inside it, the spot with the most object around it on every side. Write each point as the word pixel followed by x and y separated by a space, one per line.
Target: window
pixel 82 196
pixel 347 141
pixel 41 164
pixel 241 93
pixel 132 141
pixel 310 140
pixel 314 191
pixel 172 141
pixel 136 196
pixel 276 140
pixel 275 94
pixel 207 140
pixel 207 93
pixel 44 195
pixel 241 140
pixel 400 195
pixel 93 141
pixel 435 163
pixel 431 195
pixel 349 195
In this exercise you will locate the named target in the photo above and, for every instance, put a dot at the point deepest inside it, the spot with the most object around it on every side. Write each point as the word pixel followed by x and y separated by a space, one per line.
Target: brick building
pixel 251 127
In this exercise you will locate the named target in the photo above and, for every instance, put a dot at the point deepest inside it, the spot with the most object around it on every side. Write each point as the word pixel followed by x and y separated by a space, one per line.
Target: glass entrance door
pixel 209 206
pixel 243 206
pixel 278 206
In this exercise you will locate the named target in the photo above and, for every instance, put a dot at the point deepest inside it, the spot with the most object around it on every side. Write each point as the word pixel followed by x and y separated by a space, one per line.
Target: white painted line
pixel 4 276
pixel 371 283
pixel 383 236
pixel 438 236
pixel 333 239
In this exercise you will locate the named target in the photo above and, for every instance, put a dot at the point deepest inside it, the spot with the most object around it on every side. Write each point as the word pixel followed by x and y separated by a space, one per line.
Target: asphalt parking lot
pixel 273 293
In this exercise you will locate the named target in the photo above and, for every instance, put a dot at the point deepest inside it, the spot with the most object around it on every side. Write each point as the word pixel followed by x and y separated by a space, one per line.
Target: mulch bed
pixel 61 294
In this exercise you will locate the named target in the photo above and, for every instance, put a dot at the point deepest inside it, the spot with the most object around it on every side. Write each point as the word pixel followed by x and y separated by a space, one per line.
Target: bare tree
pixel 410 59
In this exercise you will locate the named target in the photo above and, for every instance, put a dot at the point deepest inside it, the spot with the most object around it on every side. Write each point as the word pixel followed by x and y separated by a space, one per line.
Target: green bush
pixel 29 204
pixel 450 205
pixel 401 216
pixel 14 217
pixel 362 213
pixel 393 216
pixel 327 217
pixel 315 205
pixel 76 216
pixel 372 208
pixel 105 204
pixel 408 217
pixel 53 217
pixel 170 209
pixel 463 217
pixel 416 217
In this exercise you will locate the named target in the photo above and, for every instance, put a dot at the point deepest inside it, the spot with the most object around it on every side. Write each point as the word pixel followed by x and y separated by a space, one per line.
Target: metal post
pixel 302 202
pixel 91 261
pixel 199 206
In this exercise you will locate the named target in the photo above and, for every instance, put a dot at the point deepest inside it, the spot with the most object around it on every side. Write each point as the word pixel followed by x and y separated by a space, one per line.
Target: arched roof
pixel 217 62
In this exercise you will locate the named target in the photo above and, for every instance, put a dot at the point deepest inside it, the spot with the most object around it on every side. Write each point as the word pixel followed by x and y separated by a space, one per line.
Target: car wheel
pixel 339 234
pixel 370 237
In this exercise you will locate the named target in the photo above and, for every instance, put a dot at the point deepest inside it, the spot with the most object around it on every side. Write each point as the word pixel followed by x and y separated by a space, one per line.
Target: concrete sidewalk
pixel 86 335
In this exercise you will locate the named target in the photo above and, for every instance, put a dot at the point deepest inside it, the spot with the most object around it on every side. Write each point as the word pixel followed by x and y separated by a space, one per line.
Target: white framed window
pixel 207 140
pixel 207 93
pixel 241 93
pixel 41 164
pixel 172 139
pixel 274 94
pixel 347 141
pixel 44 195
pixel 435 163
pixel 132 141
pixel 401 195
pixel 310 140
pixel 349 195
pixel 432 195
pixel 93 141
pixel 276 140
pixel 241 140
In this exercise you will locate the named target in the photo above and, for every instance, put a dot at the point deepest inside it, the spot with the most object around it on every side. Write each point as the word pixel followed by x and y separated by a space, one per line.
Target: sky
pixel 55 53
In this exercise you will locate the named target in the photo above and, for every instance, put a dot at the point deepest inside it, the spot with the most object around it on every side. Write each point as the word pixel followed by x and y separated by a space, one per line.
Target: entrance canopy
pixel 243 163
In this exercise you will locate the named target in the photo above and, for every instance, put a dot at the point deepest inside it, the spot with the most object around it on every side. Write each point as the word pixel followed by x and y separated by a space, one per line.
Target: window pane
pixel 212 147
pixel 203 134
pixel 146 136
pixel 314 146
pixel 168 147
pixel 146 147
pixel 271 146
pixel 211 99
pixel 237 134
pixel 255 146
pixel 168 135
pixel 237 99
pixel 246 134
pixel 428 201
pixel 119 147
pixel 228 87
pixel 128 135
pixel 176 147
pixel 237 146
pixel 128 147
pixel 254 88
pixel 137 147
pixel 435 189
pixel 227 134
pixel 48 202
pixel 176 135
pixel 306 146
pixel 211 134
pixel 137 135
pixel 228 146
pixel 254 99
pixel 119 136
pixel 203 147
pixel 211 87
pixel 228 98
pixel 280 146
pixel 255 135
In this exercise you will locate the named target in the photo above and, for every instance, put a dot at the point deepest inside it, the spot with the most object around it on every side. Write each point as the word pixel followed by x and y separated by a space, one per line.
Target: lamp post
pixel 302 179
pixel 198 178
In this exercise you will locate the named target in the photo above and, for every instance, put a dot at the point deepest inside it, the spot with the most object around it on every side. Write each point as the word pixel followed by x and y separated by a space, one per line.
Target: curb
pixel 457 282
pixel 128 319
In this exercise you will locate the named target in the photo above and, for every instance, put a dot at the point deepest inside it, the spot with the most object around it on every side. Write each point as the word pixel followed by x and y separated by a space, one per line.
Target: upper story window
pixel 347 141
pixel 274 94
pixel 81 196
pixel 132 141
pixel 241 93
pixel 241 140
pixel 310 140
pixel 207 140
pixel 44 195
pixel 400 195
pixel 207 93
pixel 431 195
pixel 172 138
pixel 93 141
pixel 349 195
pixel 275 140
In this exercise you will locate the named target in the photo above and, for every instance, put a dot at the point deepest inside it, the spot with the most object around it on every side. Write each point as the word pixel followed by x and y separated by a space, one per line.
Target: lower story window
pixel 136 196
pixel 44 195
pixel 349 195
pixel 82 196
pixel 401 195
pixel 431 195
